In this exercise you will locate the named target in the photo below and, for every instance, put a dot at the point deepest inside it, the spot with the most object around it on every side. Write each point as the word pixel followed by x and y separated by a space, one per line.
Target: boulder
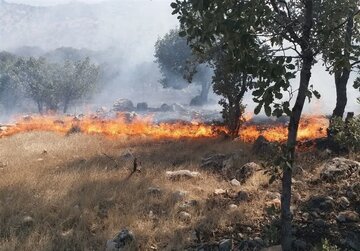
pixel 179 195
pixel 225 245
pixel 348 216
pixel 235 182
pixel 263 147
pixel 123 105
pixel 124 240
pixel 166 108
pixel 142 106
pixel 214 161
pixel 184 216
pixel 155 191
pixel 246 171
pixel 182 174
pixel 320 203
pixel 339 168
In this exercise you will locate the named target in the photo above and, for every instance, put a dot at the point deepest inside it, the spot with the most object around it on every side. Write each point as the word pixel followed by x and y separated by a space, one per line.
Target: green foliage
pixel 347 134
pixel 326 246
pixel 49 85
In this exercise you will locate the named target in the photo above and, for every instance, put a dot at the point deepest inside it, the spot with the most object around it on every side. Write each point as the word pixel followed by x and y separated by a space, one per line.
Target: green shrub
pixel 347 134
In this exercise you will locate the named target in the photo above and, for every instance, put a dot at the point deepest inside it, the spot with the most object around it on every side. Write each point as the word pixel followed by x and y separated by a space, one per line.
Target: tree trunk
pixel 342 75
pixel 341 93
pixel 205 87
pixel 40 107
pixel 305 75
pixel 66 105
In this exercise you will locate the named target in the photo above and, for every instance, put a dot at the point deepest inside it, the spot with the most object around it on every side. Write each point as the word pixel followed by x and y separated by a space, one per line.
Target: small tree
pixel 177 64
pixel 75 80
pixel 35 75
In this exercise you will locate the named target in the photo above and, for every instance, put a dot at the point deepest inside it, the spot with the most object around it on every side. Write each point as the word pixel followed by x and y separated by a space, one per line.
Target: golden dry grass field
pixel 62 193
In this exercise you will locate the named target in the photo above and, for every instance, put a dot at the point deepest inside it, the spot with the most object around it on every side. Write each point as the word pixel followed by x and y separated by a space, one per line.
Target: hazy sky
pixel 51 2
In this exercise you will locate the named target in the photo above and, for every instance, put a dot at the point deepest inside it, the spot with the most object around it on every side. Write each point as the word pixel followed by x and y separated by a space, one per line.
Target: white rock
pixel 235 182
pixel 175 175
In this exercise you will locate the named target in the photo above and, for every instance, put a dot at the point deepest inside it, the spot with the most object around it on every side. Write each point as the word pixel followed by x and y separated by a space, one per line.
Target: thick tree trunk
pixel 305 75
pixel 342 76
pixel 341 80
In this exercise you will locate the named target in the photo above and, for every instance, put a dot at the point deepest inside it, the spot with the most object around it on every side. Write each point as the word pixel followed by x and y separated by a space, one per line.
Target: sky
pixel 51 2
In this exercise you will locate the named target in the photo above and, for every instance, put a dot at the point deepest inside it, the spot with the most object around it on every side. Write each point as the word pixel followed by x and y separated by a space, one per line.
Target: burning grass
pixel 311 127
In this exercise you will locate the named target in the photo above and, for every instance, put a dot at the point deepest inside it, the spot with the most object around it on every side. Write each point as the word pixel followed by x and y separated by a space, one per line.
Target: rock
pixel 233 206
pixel 182 174
pixel 184 216
pixel 323 204
pixel 246 171
pixel 189 204
pixel 28 221
pixel 320 223
pixel 339 168
pixel 214 161
pixel 272 248
pixel 348 216
pixel 154 191
pixel 299 245
pixel 352 240
pixel 123 105
pixel 344 202
pixel 242 196
pixel 124 240
pixel 225 245
pixel 273 195
pixel 274 203
pixel 142 106
pixel 263 147
pixel 166 108
pixel 219 191
pixel 235 182
pixel 179 195
pixel 259 241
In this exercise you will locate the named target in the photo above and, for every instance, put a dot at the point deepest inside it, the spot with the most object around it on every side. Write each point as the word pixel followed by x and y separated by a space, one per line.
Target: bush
pixel 346 134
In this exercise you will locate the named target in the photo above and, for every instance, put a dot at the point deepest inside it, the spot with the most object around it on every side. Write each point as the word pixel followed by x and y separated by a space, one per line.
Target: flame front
pixel 311 127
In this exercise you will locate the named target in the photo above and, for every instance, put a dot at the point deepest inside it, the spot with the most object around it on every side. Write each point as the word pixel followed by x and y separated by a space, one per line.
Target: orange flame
pixel 311 127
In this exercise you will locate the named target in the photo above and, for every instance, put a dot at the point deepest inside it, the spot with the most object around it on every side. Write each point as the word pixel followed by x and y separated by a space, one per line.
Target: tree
pixel 76 80
pixel 341 53
pixel 35 75
pixel 292 30
pixel 10 91
pixel 177 63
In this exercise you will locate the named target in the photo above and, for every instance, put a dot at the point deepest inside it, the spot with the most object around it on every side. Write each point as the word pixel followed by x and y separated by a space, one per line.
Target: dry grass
pixel 78 200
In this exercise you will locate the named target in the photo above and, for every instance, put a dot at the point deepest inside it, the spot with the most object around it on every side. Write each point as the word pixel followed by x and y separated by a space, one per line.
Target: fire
pixel 311 127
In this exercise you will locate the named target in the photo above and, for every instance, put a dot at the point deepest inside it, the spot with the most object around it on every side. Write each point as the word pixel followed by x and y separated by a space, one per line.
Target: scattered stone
pixel 214 161
pixel 124 240
pixel 166 108
pixel 226 245
pixel 344 202
pixel 182 174
pixel 154 191
pixel 348 216
pixel 235 182
pixel 184 216
pixel 339 168
pixel 179 195
pixel 263 147
pixel 219 191
pixel 272 195
pixel 233 206
pixel 274 203
pixel 28 221
pixel 323 204
pixel 259 241
pixel 40 159
pixel 142 106
pixel 189 204
pixel 246 171
pixel 242 196
pixel 123 105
